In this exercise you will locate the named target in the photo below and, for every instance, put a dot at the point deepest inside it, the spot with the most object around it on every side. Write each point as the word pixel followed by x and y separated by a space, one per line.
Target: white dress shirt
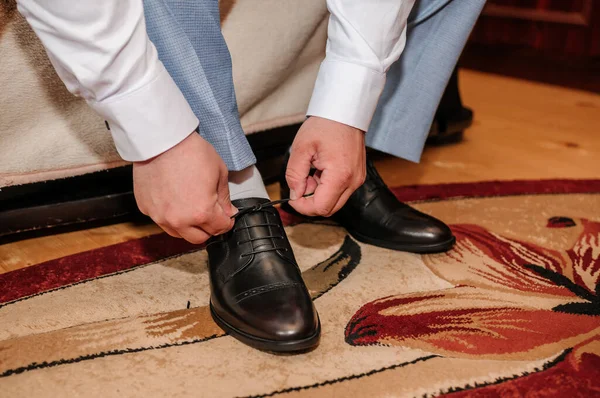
pixel 364 38
pixel 102 53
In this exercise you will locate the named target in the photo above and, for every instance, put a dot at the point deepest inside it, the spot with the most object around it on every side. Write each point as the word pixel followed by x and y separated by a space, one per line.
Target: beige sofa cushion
pixel 46 133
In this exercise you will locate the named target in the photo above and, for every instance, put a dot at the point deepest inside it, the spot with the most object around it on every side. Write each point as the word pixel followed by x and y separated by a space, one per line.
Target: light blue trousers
pixel 187 35
pixel 437 33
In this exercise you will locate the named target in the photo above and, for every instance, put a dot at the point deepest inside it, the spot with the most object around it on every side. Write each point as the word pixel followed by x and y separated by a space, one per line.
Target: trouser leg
pixel 437 33
pixel 187 36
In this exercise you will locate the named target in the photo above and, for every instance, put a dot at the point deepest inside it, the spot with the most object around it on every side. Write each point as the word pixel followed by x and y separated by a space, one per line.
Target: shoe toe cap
pixel 419 229
pixel 284 315
pixel 434 231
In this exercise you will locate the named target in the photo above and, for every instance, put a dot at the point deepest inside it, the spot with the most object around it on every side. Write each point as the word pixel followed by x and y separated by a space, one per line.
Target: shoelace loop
pixel 245 210
pixel 261 207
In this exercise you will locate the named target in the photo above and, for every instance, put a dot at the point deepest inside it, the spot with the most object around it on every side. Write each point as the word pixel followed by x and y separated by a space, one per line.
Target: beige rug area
pixel 512 310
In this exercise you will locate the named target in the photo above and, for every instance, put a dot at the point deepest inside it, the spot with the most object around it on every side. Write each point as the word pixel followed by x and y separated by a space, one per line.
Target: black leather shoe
pixel 257 292
pixel 375 216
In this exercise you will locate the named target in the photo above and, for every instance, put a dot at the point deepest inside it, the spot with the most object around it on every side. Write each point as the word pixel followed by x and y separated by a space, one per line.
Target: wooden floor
pixel 522 130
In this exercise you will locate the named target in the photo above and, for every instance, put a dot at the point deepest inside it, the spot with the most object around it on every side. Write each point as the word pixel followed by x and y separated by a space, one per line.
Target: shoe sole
pixel 295 346
pixel 403 247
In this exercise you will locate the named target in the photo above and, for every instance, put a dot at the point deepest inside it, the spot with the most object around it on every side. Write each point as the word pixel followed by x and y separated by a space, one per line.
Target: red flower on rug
pixel 511 299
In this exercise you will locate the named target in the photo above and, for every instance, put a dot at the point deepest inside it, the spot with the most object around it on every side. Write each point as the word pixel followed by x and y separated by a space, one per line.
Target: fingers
pixel 170 231
pixel 342 200
pixel 200 227
pixel 311 185
pixel 215 222
pixel 333 189
pixel 327 194
pixel 296 174
pixel 194 235
pixel 196 225
pixel 356 180
pixel 223 196
pixel 167 189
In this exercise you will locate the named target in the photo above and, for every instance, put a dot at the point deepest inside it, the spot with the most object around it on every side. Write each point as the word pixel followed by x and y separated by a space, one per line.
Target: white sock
pixel 247 183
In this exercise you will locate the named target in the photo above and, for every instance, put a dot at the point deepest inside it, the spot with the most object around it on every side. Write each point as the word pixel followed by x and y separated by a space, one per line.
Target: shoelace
pixel 245 210
pixel 261 207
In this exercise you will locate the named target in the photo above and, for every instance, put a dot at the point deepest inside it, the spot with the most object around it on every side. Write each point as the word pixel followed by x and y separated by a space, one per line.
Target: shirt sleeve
pixel 101 51
pixel 364 39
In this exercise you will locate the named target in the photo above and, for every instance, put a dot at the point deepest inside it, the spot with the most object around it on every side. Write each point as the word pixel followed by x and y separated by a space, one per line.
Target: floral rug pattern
pixel 512 310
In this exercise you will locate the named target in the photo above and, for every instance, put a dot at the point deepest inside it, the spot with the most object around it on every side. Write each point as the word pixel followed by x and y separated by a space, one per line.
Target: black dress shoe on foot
pixel 257 292
pixel 375 216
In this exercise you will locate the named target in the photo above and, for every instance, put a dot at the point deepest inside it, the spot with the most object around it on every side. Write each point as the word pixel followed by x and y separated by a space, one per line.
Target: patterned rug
pixel 513 309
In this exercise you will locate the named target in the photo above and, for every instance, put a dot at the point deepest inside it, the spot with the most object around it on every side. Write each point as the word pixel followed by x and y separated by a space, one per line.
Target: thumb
pixel 223 196
pixel 296 174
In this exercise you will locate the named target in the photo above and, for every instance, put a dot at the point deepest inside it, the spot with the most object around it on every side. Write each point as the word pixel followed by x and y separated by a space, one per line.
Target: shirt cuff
pixel 347 93
pixel 149 120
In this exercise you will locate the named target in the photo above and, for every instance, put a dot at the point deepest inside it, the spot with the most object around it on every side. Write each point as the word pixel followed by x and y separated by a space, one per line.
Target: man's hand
pixel 185 191
pixel 337 151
